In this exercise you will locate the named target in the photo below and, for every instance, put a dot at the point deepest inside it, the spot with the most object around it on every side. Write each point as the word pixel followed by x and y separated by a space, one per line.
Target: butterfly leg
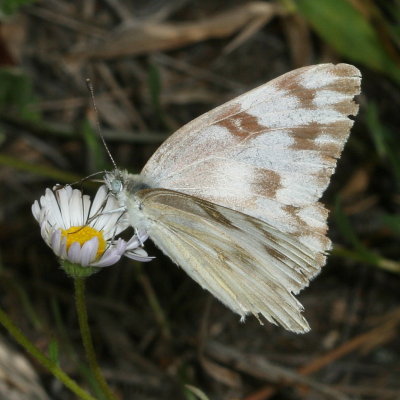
pixel 138 237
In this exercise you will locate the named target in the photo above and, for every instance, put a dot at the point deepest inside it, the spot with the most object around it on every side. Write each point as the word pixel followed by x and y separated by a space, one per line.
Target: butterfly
pixel 232 196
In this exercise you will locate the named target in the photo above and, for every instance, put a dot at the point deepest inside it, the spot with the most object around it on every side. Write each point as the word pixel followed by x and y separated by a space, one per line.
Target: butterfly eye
pixel 116 186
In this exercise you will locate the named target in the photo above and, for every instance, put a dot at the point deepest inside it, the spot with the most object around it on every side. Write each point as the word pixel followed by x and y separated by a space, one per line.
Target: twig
pixel 373 338
pixel 259 367
pixel 384 333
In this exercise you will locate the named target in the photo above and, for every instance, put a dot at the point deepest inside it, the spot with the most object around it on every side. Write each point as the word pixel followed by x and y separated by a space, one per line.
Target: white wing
pixel 269 153
pixel 239 210
pixel 244 262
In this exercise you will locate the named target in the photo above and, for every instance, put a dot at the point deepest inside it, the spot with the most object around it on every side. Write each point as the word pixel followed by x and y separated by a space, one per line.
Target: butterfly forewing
pixel 268 153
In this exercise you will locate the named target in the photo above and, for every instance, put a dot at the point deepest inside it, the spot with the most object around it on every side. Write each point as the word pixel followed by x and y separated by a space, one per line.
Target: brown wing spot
pixel 306 98
pixel 228 111
pixel 266 183
pixel 290 84
pixel 302 227
pixel 310 131
pixel 329 150
pixel 346 107
pixel 242 124
pixel 305 139
pixel 214 213
pixel 346 70
pixel 292 211
pixel 320 259
pixel 346 85
pixel 347 82
pixel 305 135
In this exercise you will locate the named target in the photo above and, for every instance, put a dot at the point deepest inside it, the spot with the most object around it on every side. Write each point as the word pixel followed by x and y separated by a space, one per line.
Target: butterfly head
pixel 124 186
pixel 115 185
pixel 114 181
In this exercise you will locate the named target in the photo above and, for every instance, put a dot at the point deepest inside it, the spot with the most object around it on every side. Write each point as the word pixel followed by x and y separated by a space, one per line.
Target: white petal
pixel 45 232
pixel 120 245
pixel 36 210
pixel 137 240
pixel 110 256
pixel 88 251
pixel 74 253
pixel 107 219
pixel 67 189
pixel 50 203
pixel 111 259
pixel 76 209
pixel 139 255
pixel 133 243
pixel 63 248
pixel 43 216
pixel 56 242
pixel 63 201
pixel 86 207
pixel 98 200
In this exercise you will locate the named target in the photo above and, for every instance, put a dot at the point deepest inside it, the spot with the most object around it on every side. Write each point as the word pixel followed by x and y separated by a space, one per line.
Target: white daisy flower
pixel 81 232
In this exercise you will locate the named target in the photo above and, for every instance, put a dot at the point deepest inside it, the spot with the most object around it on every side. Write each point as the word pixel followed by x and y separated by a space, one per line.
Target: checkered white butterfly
pixel 232 197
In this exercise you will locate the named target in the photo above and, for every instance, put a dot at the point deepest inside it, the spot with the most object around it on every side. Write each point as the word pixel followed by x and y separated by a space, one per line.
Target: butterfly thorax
pixel 124 187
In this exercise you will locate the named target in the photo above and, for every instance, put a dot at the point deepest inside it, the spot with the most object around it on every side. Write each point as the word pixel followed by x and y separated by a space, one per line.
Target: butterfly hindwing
pixel 244 262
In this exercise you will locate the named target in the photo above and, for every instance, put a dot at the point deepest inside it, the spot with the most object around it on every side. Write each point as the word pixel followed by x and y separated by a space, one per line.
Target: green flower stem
pixel 80 303
pixel 52 367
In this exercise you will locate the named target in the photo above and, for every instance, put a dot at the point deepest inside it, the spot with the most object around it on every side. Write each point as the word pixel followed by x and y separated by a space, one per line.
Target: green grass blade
pixel 195 393
pixel 349 32
pixel 58 175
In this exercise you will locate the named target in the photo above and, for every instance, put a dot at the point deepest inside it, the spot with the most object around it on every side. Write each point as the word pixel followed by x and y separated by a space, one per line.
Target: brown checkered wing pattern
pixel 240 210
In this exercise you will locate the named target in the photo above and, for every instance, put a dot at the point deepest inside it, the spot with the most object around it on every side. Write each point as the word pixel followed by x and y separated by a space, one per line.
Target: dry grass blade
pixel 249 30
pixel 221 374
pixel 149 37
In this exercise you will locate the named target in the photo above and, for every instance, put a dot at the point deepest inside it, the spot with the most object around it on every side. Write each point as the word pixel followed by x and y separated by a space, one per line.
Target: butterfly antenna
pixel 91 91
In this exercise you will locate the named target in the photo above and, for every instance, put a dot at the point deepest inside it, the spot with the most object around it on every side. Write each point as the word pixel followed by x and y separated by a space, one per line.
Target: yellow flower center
pixel 82 234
